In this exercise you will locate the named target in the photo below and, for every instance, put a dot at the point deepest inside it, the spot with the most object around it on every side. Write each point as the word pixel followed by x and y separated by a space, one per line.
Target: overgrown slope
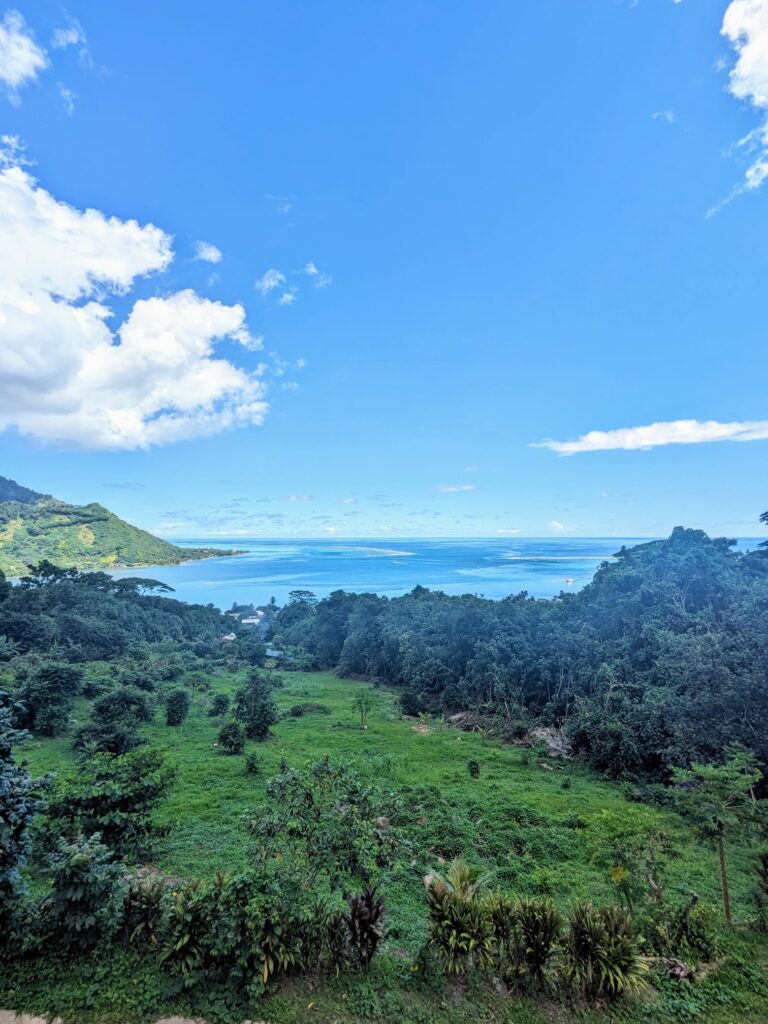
pixel 35 526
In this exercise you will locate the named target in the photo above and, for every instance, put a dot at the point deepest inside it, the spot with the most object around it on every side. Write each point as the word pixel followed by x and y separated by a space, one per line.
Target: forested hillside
pixel 35 526
pixel 662 659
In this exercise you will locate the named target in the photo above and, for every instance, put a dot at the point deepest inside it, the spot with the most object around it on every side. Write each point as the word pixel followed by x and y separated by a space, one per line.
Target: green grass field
pixel 530 825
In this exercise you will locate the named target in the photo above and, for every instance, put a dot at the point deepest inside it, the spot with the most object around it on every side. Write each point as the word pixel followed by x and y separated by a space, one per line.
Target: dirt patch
pixel 420 727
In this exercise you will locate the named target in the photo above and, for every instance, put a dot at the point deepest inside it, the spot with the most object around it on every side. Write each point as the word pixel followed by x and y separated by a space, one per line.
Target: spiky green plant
pixel 601 957
pixel 533 944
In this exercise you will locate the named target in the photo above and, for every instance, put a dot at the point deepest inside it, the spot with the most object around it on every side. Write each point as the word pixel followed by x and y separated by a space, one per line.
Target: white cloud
pixel 68 98
pixel 507 533
pixel 287 298
pixel 207 252
pixel 329 529
pixel 320 279
pixel 348 501
pixel 269 280
pixel 21 59
pixel 65 376
pixel 745 25
pixel 454 488
pixel 664 115
pixel 657 434
pixel 557 527
pixel 72 35
pixel 297 497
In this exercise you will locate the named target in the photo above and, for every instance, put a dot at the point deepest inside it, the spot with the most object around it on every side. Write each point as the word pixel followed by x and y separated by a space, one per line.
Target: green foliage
pixel 601 956
pixel 88 893
pixel 720 800
pixel 47 695
pixel 255 706
pixel 177 706
pixel 232 738
pixel 329 821
pixel 531 943
pixel 114 797
pixel 20 801
pixel 253 764
pixel 473 767
pixel 38 527
pixel 219 705
pixel 761 890
pixel 461 930
pixel 143 912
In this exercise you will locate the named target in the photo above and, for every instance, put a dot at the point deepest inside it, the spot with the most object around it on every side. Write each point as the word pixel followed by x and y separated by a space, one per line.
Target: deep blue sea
pixel 493 568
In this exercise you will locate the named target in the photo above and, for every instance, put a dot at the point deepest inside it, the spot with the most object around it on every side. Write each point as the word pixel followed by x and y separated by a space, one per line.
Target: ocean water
pixel 492 568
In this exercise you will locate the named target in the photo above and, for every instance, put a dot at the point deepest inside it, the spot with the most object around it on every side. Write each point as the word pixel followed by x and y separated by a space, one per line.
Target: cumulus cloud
pixel 745 25
pixel 657 434
pixel 21 59
pixel 268 281
pixel 287 298
pixel 454 488
pixel 66 377
pixel 207 252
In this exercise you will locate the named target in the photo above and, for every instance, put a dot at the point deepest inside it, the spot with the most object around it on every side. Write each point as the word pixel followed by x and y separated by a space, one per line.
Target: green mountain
pixel 34 526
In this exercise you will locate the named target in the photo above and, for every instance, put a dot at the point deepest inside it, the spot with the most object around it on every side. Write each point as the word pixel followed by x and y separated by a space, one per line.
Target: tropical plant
pixel 461 929
pixel 144 907
pixel 362 703
pixel 601 956
pixel 177 706
pixel 532 943
pixel 365 925
pixel 231 738
pixel 721 801
pixel 255 706
pixel 473 767
pixel 88 892
pixel 761 891
pixel 219 705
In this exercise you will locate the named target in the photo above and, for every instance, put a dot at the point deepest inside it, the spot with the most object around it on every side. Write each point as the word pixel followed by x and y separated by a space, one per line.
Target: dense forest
pixel 35 526
pixel 661 660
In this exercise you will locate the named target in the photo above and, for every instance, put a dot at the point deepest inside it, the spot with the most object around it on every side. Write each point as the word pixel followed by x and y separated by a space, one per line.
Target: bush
pixel 144 907
pixel 184 928
pixel 365 925
pixel 473 767
pixel 232 738
pixel 308 707
pixel 255 707
pixel 116 737
pixel 532 943
pixel 761 891
pixel 177 706
pixel 219 705
pixel 601 957
pixel 461 932
pixel 88 893
pixel 253 764
pixel 113 796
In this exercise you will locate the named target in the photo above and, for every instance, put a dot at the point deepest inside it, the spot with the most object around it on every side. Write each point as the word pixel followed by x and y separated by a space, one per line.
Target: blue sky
pixel 488 226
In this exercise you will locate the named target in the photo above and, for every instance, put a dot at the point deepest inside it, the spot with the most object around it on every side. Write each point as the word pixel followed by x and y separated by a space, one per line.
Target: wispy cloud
pixel 455 488
pixel 282 204
pixel 71 35
pixel 557 527
pixel 320 279
pixel 297 497
pixel 21 59
pixel 207 252
pixel 745 25
pixel 269 280
pixel 287 298
pixel 655 435
pixel 668 116
pixel 68 98
pixel 507 533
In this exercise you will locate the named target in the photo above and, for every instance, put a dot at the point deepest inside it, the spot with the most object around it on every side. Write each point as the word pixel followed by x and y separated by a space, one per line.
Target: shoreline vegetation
pixel 36 526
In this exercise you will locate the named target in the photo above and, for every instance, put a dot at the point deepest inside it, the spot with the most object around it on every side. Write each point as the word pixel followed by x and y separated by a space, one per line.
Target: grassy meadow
pixel 529 819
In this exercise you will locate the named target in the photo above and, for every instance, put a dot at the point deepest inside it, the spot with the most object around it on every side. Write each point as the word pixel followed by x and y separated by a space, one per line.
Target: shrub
pixel 601 957
pixel 47 697
pixel 232 738
pixel 253 764
pixel 88 893
pixel 124 702
pixel 113 737
pixel 177 706
pixel 461 932
pixel 473 767
pixel 255 707
pixel 308 707
pixel 113 796
pixel 144 907
pixel 219 705
pixel 184 927
pixel 761 891
pixel 532 944
pixel 365 925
